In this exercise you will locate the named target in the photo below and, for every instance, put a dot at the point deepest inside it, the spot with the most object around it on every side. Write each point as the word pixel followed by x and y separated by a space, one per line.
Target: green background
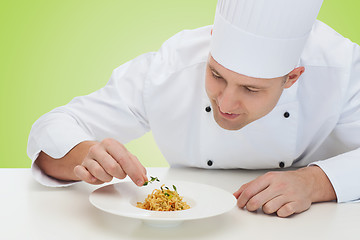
pixel 52 51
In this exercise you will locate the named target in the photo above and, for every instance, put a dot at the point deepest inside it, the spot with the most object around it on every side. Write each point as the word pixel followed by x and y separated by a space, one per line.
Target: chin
pixel 230 126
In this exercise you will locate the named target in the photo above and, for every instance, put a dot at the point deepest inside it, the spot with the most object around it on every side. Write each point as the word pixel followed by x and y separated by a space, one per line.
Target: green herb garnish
pixel 152 179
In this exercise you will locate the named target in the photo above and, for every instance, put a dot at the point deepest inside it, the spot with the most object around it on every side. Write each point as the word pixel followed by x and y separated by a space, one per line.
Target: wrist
pixel 321 187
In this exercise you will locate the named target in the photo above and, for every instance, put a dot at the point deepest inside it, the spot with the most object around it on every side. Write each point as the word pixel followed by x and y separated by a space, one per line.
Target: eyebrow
pixel 246 85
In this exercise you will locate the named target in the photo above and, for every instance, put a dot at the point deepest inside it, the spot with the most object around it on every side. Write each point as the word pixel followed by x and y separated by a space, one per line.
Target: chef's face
pixel 238 100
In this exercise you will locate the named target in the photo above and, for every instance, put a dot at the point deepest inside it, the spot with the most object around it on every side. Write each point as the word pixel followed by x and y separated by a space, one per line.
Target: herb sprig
pixel 152 179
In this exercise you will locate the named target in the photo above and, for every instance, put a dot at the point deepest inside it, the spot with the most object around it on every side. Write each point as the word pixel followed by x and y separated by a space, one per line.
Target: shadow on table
pixel 127 228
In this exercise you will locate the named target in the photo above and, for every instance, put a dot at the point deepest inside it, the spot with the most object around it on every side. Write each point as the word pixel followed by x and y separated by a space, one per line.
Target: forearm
pixel 63 168
pixel 321 187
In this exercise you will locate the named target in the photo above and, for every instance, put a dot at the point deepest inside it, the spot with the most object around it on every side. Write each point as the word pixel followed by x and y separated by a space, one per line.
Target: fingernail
pixel 139 182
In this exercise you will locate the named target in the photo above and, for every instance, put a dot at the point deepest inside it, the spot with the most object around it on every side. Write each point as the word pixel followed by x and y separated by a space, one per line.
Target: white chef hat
pixel 262 38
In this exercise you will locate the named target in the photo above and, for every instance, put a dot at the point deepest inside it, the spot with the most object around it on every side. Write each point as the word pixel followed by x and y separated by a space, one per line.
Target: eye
pixel 215 75
pixel 251 90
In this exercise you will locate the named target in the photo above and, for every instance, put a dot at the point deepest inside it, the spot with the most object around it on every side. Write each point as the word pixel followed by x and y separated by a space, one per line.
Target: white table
pixel 31 211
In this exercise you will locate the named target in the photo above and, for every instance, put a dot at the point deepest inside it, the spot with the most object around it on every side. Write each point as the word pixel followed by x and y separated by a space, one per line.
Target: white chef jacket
pixel 316 121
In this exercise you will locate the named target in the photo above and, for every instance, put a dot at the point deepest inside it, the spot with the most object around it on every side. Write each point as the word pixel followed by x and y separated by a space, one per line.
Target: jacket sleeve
pixel 117 111
pixel 344 170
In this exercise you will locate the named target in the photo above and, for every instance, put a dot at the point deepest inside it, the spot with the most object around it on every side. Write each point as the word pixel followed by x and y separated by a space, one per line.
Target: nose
pixel 229 101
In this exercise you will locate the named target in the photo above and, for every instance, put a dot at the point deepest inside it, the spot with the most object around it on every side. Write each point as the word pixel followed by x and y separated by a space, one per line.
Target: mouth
pixel 227 115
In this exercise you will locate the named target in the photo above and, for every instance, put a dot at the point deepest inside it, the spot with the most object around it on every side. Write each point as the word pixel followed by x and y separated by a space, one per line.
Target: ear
pixel 293 76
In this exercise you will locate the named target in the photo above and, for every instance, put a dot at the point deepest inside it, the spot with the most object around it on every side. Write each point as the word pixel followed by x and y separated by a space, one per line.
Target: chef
pixel 266 87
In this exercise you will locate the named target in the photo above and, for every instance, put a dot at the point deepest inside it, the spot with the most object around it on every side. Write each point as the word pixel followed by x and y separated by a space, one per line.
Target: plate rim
pixel 159 215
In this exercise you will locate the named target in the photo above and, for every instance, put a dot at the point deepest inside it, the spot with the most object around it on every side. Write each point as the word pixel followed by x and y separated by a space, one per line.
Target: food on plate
pixel 163 199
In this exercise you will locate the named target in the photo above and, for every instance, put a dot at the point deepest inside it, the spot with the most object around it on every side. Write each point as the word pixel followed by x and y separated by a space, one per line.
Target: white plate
pixel 204 200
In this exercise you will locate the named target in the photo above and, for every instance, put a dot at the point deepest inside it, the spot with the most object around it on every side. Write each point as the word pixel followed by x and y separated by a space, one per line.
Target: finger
pixel 274 204
pixel 253 188
pixel 128 162
pixel 107 162
pixel 240 190
pixel 261 198
pixel 84 175
pixel 96 170
pixel 134 169
pixel 293 207
pixel 287 209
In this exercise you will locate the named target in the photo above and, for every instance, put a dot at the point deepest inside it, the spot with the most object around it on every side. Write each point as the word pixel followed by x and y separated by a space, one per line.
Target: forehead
pixel 230 75
pixel 214 65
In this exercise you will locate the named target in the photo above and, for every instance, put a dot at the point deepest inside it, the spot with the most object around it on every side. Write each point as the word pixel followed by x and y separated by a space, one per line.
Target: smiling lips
pixel 229 116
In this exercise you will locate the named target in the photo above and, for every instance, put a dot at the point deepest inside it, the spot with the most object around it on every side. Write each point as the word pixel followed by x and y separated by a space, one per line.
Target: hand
pixel 286 193
pixel 108 159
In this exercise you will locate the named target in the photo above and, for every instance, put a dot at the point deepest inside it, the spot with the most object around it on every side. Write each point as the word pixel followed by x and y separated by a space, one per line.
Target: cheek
pixel 264 104
pixel 211 87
